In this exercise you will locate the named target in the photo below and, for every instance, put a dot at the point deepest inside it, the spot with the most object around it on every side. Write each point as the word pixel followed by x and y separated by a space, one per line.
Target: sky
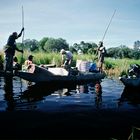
pixel 72 20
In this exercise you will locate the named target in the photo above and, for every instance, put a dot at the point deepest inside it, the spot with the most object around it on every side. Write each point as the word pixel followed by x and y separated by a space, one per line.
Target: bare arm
pixel 19 35
pixel 19 50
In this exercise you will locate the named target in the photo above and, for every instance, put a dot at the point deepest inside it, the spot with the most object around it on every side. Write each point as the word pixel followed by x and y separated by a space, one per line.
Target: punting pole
pixel 22 42
pixel 107 29
pixel 108 25
pixel 23 31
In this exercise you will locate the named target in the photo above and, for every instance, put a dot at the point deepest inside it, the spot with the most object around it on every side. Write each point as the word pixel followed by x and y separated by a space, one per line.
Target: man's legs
pixel 8 62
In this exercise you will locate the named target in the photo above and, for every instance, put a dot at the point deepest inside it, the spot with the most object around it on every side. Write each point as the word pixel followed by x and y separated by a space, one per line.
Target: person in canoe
pixel 29 65
pixel 67 58
pixel 16 65
pixel 9 50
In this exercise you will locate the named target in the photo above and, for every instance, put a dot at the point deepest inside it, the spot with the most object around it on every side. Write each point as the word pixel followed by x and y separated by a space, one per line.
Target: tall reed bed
pixel 112 67
pixel 118 67
pixel 41 58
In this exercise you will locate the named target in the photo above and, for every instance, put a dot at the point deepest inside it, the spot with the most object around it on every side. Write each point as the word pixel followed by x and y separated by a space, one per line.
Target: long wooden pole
pixel 106 30
pixel 108 25
pixel 23 31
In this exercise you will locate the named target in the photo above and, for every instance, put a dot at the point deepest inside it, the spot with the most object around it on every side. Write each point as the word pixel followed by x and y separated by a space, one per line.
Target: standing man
pixel 101 54
pixel 10 49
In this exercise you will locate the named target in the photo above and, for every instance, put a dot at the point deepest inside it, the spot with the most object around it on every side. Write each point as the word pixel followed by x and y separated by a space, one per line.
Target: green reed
pixel 113 67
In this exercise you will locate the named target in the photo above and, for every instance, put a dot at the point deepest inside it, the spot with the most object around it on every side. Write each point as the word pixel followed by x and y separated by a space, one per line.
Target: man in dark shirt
pixel 10 49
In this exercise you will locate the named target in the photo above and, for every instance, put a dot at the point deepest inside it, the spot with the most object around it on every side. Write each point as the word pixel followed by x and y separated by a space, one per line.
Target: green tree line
pixel 47 44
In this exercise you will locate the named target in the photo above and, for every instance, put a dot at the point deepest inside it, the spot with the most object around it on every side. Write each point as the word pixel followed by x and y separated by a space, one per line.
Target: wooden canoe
pixel 43 75
pixel 130 82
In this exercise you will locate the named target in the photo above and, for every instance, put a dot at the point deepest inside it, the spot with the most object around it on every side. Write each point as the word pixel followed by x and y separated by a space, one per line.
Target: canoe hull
pixel 131 82
pixel 37 77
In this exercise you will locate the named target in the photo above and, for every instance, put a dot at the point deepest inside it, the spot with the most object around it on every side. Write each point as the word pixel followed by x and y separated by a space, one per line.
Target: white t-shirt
pixel 69 55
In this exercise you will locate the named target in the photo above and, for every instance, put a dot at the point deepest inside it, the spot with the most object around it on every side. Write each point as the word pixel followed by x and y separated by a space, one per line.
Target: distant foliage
pixel 47 44
pixel 123 52
pixel 30 45
pixel 137 45
pixel 55 45
pixel 85 47
pixel 1 60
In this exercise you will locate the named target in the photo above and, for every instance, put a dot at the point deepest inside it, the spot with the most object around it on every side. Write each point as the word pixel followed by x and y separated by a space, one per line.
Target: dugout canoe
pixel 130 82
pixel 43 75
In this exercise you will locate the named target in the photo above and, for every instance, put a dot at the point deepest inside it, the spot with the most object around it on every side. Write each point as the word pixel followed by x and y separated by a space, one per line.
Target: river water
pixel 102 107
pixel 48 98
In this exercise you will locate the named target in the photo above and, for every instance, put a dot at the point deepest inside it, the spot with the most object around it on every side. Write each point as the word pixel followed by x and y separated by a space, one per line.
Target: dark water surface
pixel 52 111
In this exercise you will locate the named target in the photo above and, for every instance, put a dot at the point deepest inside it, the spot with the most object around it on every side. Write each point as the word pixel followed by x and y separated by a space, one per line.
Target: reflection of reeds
pixel 133 135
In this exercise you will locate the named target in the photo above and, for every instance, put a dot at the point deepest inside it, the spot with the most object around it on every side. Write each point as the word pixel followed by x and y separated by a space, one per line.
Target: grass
pixel 112 67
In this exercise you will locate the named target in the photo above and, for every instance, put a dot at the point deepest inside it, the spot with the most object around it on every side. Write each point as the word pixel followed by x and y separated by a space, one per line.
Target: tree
pixel 42 42
pixel 56 45
pixel 31 45
pixel 136 45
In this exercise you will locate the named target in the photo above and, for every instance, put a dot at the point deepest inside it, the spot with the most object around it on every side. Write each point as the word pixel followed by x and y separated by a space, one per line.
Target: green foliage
pixel 85 47
pixel 42 43
pixel 47 44
pixel 55 45
pixel 137 45
pixel 1 60
pixel 108 65
pixel 30 45
pixel 122 73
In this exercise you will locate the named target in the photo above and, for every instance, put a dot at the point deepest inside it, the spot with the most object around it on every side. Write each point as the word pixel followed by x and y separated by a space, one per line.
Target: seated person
pixel 29 64
pixel 134 70
pixel 16 65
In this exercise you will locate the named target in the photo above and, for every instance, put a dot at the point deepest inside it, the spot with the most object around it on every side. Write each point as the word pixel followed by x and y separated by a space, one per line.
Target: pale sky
pixel 72 20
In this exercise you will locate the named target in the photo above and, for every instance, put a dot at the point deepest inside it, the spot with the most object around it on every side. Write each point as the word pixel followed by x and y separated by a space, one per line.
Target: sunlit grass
pixel 113 67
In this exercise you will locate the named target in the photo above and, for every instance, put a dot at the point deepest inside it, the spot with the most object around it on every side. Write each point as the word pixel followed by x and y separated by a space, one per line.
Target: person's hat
pixel 62 51
pixel 80 52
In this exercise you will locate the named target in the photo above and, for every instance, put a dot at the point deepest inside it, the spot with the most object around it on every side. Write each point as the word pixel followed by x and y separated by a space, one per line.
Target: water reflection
pixel 95 95
pixel 8 87
pixel 82 89
pixel 98 97
pixel 40 90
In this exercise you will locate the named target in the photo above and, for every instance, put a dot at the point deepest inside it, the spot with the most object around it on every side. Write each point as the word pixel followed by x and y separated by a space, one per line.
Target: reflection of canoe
pixel 130 82
pixel 43 75
pixel 35 92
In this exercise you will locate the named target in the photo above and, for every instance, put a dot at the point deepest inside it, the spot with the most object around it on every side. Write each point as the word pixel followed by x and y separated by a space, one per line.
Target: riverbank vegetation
pixel 46 51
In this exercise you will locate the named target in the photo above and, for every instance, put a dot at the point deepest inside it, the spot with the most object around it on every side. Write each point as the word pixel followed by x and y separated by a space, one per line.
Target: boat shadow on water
pixel 40 90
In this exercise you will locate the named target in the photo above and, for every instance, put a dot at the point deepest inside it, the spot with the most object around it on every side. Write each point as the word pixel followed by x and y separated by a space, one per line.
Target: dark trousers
pixel 8 62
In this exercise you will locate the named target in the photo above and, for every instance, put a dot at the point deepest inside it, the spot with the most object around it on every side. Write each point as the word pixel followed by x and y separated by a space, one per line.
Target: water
pixel 90 111
pixel 63 98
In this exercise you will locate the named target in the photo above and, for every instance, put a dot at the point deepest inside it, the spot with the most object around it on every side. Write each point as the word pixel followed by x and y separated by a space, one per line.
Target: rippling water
pixel 64 98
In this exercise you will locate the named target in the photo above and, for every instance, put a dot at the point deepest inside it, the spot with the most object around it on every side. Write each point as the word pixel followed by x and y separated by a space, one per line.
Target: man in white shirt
pixel 67 57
